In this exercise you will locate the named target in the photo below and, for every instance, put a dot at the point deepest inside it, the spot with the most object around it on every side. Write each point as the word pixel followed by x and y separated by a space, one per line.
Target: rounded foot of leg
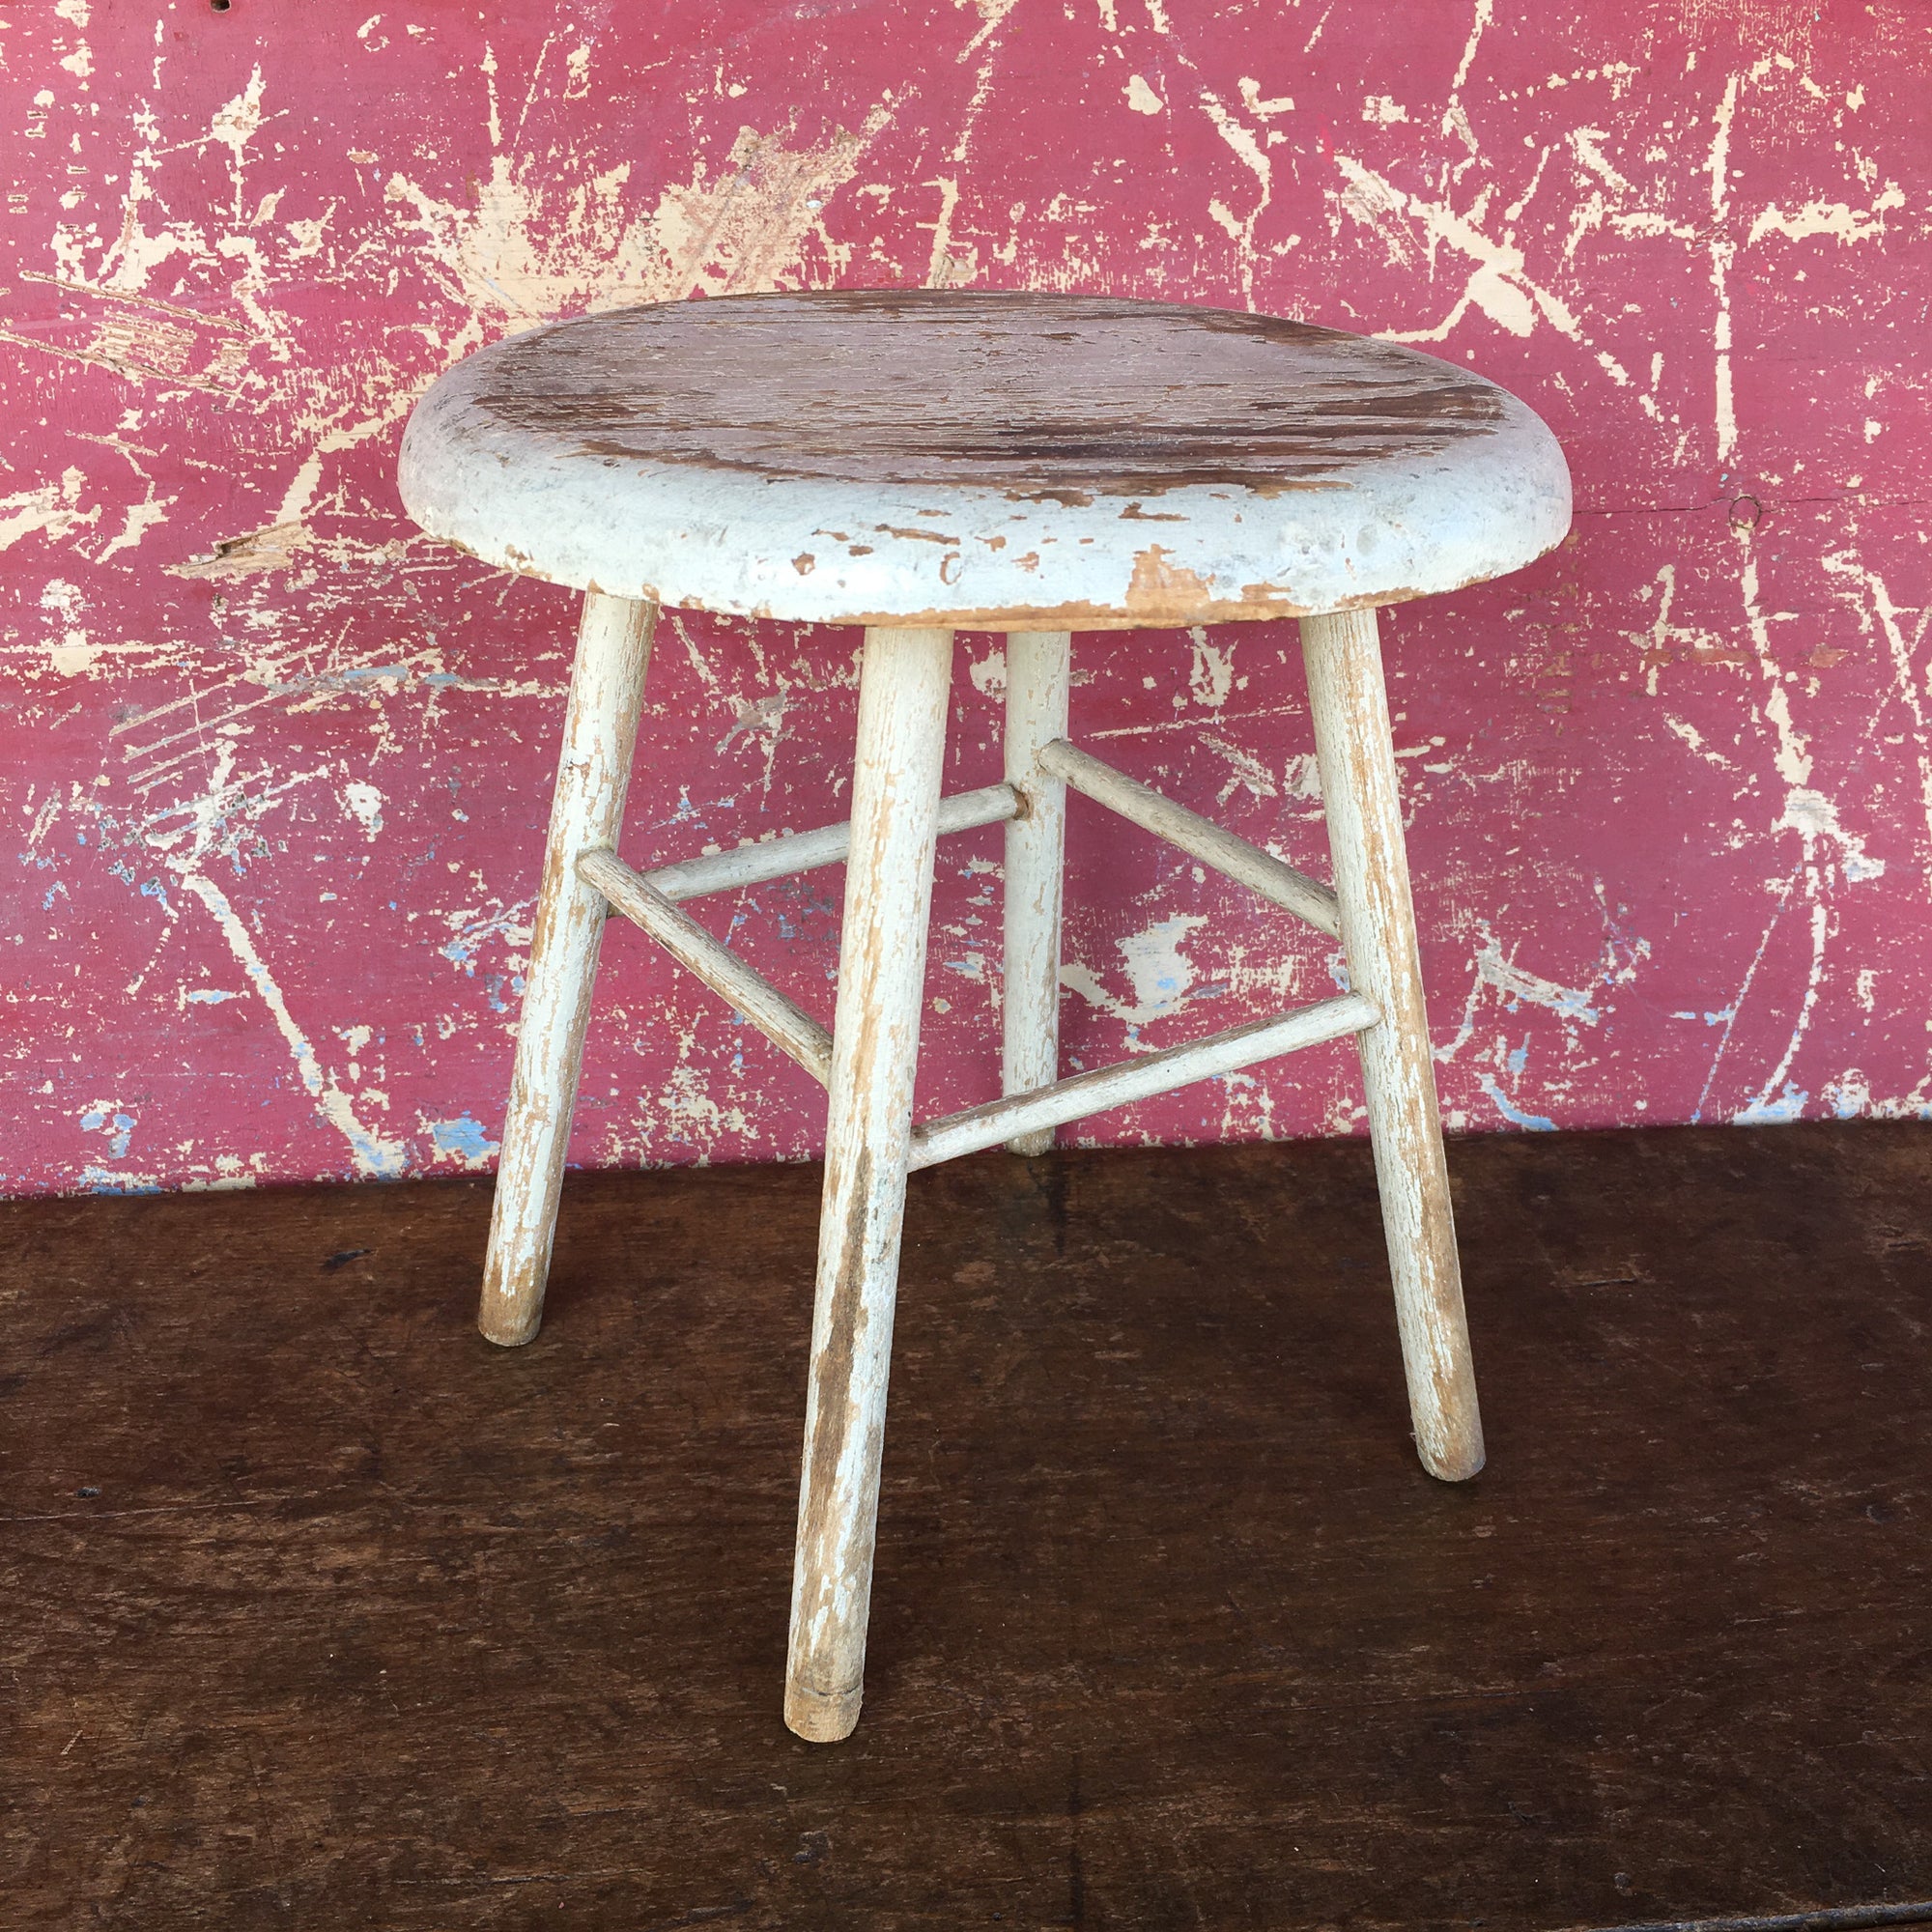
pixel 820 1719
pixel 1455 1464
pixel 508 1331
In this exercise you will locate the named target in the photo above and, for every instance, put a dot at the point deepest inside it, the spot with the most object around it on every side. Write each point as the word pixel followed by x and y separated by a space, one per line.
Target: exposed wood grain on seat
pixel 951 459
pixel 1029 393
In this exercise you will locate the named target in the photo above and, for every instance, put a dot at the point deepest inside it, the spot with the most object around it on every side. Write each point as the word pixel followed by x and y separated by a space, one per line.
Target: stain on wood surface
pixel 322 1610
pixel 938 387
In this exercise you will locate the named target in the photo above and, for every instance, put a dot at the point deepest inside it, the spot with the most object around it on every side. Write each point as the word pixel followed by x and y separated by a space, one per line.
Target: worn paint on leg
pixel 1039 674
pixel 901 740
pixel 600 730
pixel 1358 787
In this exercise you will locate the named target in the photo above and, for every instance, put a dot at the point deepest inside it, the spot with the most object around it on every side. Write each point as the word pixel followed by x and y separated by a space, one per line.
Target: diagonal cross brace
pixel 649 899
pixel 1276 880
pixel 687 941
pixel 1108 1087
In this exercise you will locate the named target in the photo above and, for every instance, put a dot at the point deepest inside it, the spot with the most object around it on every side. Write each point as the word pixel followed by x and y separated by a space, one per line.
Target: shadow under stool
pixel 920 463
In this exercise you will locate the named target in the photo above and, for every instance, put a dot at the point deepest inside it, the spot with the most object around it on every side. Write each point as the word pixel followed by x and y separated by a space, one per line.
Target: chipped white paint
pixel 1349 706
pixel 1901 645
pixel 1764 1109
pixel 682 453
pixel 1838 219
pixel 1816 818
pixel 1161 976
pixel 1022 1115
pixel 1252 156
pixel 1499 286
pixel 1723 252
pixel 897 766
pixel 1276 881
pixel 364 803
pixel 50 509
pixel 377 1157
pixel 1517 982
pixel 599 733
pixel 1039 678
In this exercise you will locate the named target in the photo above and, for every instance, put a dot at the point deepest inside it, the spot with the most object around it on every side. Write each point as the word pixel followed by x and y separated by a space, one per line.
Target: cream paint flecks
pixel 219 321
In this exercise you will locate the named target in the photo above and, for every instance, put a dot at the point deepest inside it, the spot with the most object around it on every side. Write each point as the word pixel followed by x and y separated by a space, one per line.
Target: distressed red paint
pixel 277 768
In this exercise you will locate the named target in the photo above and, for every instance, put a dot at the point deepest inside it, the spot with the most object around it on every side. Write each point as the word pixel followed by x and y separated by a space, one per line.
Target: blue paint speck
pixel 1539 1122
pixel 99 1181
pixel 463 1137
pixel 1788 1106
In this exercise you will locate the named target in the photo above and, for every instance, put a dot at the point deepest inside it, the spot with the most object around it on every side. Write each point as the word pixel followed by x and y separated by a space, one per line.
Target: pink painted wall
pixel 276 769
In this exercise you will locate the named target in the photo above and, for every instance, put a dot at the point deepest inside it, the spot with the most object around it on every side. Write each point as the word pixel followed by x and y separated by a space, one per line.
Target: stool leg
pixel 600 731
pixel 1356 755
pixel 1038 675
pixel 904 690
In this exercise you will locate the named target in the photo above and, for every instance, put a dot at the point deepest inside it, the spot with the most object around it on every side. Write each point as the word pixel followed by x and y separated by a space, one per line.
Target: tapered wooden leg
pixel 903 692
pixel 1040 673
pixel 600 729
pixel 1358 788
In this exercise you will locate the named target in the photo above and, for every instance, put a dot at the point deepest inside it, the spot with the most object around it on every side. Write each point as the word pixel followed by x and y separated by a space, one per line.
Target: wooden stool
pixel 924 463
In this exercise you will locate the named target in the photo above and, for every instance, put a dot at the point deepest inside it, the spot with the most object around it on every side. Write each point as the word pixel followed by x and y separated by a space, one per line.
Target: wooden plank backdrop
pixel 276 770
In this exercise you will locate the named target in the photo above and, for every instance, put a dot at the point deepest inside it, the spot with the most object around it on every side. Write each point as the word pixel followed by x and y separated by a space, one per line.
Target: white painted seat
pixel 920 463
pixel 982 462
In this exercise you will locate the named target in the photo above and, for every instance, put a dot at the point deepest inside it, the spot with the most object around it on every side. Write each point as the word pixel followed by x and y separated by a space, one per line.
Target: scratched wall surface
pixel 276 768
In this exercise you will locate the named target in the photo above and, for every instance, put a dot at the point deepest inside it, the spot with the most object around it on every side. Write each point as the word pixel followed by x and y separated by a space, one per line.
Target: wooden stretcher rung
pixel 750 993
pixel 806 851
pixel 1107 1087
pixel 1274 879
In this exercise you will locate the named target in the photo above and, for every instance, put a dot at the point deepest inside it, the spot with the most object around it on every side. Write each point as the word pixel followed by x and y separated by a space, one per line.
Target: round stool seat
pixel 981 461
